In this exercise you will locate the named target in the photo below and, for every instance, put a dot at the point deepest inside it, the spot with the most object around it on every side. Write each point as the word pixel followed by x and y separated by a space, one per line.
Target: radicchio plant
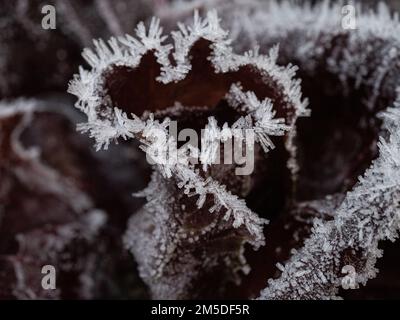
pixel 167 242
pixel 309 222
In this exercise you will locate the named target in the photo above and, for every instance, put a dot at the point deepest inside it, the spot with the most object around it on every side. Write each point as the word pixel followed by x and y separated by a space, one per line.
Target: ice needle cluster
pixel 169 245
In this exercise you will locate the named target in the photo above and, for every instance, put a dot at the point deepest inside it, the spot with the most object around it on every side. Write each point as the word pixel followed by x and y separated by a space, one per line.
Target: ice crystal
pixel 165 249
pixel 368 214
pixel 262 114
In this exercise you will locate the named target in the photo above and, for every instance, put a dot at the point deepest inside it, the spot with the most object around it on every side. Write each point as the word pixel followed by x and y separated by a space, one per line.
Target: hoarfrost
pixel 163 247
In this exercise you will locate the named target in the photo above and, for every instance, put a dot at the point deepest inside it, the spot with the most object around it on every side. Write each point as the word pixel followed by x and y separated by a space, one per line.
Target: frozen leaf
pixel 134 89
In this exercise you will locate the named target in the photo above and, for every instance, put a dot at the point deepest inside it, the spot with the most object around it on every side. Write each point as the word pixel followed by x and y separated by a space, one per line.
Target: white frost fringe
pixel 114 123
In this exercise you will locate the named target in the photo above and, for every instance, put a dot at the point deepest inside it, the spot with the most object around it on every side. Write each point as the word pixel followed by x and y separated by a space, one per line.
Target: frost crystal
pixel 199 71
pixel 357 227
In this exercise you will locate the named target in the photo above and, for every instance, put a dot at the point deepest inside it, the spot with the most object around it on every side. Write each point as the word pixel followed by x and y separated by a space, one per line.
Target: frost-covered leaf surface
pixel 365 63
pixel 357 70
pixel 368 214
pixel 314 220
pixel 204 72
